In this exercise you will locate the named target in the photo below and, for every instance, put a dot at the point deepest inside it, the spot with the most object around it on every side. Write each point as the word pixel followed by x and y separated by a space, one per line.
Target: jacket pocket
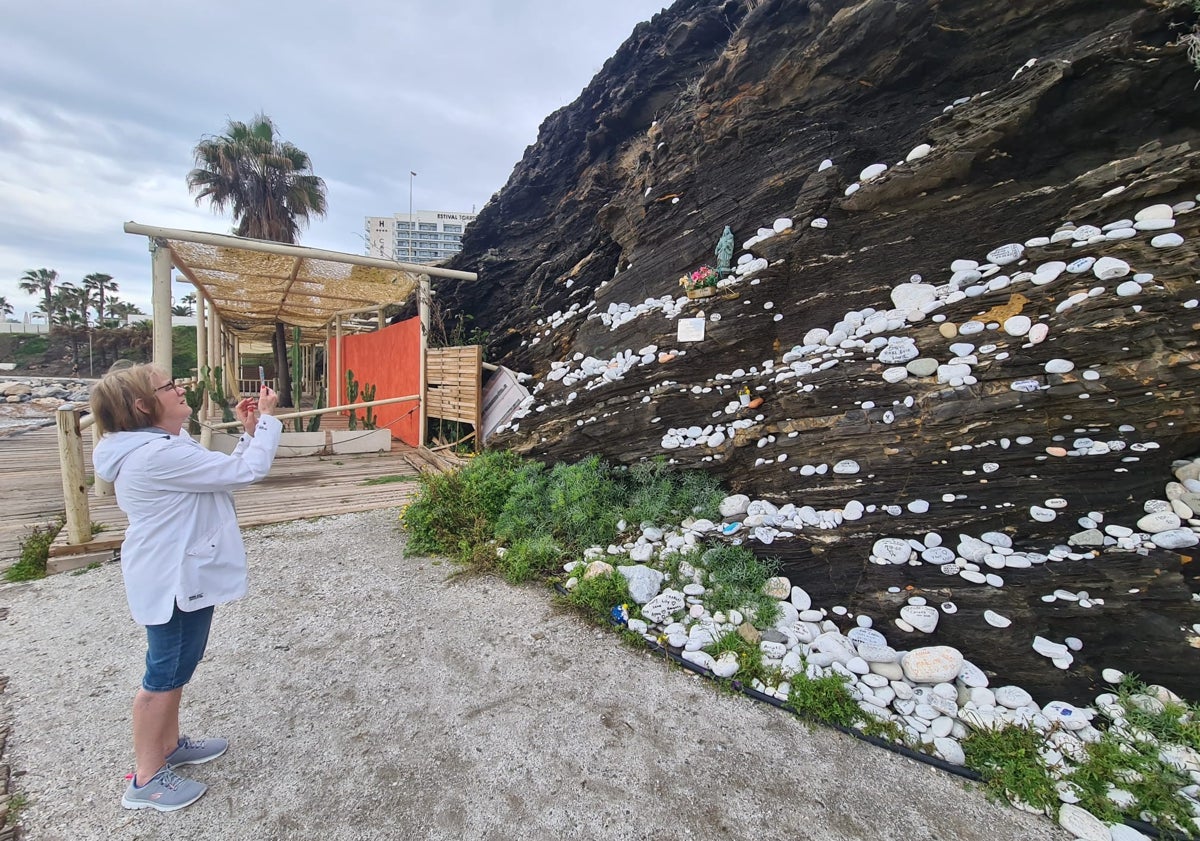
pixel 214 569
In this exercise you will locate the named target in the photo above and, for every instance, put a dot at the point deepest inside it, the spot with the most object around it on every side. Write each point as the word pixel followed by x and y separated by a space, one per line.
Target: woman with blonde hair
pixel 182 554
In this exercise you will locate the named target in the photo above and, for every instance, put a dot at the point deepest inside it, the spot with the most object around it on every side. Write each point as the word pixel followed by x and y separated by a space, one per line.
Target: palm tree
pixel 41 282
pixel 70 305
pixel 268 186
pixel 6 308
pixel 120 311
pixel 181 309
pixel 98 284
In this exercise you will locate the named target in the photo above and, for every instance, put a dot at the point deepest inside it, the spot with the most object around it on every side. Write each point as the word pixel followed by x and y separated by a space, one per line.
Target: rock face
pixel 1064 370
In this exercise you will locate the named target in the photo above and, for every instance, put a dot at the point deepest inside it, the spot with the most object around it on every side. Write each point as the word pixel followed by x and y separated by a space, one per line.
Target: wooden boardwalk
pixel 297 488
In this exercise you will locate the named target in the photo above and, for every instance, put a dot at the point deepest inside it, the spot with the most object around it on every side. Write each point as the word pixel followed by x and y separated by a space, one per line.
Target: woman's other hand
pixel 246 411
pixel 268 399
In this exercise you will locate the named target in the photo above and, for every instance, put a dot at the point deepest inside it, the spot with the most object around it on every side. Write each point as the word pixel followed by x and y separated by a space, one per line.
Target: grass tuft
pixel 35 551
pixel 1011 766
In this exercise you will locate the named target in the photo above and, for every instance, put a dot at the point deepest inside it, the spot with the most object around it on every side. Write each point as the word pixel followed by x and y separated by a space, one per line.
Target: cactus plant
pixel 297 376
pixel 352 397
pixel 314 423
pixel 368 394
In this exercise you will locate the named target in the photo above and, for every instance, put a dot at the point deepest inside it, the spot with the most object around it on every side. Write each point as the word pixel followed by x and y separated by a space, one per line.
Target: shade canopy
pixel 252 284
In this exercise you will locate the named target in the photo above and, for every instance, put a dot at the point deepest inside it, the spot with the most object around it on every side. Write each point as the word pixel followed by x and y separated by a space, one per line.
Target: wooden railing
pixel 71 424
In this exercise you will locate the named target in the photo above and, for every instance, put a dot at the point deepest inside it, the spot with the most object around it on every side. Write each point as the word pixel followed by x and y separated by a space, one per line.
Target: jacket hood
pixel 112 450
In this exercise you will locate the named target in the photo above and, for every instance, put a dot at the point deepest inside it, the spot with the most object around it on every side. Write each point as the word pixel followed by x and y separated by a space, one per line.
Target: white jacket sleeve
pixel 184 467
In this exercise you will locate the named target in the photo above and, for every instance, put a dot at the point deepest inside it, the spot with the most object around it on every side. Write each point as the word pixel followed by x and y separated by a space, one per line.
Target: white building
pixel 428 236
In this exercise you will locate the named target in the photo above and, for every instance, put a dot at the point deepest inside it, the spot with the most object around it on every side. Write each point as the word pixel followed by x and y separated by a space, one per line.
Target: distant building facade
pixel 429 236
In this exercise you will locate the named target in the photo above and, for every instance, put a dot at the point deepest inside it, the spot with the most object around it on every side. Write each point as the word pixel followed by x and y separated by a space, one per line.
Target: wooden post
pixel 201 363
pixel 99 486
pixel 340 378
pixel 160 298
pixel 70 458
pixel 423 311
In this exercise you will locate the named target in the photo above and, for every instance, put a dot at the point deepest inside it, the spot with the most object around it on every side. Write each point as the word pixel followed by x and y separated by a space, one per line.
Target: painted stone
pixel 1006 254
pixel 922 617
pixel 932 664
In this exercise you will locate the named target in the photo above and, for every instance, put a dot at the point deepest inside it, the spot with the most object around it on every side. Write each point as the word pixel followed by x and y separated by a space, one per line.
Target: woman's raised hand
pixel 268 399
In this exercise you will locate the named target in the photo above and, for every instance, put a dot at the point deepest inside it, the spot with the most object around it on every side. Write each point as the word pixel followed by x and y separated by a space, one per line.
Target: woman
pixel 182 553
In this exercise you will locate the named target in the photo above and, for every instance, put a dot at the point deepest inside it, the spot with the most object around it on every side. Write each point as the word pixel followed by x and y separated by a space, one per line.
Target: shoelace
pixel 169 779
pixel 191 744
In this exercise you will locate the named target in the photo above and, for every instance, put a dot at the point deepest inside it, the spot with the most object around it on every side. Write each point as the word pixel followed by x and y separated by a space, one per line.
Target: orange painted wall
pixel 389 359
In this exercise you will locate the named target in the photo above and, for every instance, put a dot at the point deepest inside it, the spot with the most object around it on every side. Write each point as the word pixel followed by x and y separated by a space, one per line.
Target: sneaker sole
pixel 174 765
pixel 148 804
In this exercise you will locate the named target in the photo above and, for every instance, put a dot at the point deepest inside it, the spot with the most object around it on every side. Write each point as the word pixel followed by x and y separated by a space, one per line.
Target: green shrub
pixel 598 596
pixel 455 513
pixel 749 655
pixel 736 576
pixel 1177 724
pixel 1011 766
pixel 529 558
pixel 652 492
pixel 575 503
pixel 35 551
pixel 825 699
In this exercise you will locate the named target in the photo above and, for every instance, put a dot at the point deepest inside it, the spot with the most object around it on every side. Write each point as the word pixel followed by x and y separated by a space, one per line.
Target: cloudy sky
pixel 101 105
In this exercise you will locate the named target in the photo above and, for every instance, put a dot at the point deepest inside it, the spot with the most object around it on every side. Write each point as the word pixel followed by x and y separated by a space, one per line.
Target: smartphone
pixel 262 378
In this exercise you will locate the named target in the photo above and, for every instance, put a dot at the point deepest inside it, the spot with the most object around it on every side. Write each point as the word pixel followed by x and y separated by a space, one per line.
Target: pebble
pixel 1167 240
pixel 995 619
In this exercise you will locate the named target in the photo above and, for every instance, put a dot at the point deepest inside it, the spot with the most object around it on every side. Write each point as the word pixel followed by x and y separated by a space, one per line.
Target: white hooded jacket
pixel 183 545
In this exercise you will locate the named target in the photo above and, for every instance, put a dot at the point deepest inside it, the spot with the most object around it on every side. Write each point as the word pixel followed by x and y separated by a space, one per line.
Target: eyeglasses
pixel 170 386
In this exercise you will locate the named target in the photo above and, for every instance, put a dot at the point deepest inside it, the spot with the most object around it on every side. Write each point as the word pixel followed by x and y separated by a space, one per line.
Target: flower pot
pixel 702 292
pixel 347 441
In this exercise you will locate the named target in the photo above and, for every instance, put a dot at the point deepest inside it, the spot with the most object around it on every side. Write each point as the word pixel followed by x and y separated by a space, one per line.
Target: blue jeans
pixel 174 648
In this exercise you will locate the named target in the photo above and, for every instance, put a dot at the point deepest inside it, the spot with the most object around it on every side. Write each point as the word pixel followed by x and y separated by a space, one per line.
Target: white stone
pixel 1175 539
pixel 1167 240
pixel 908 296
pixel 1012 697
pixel 1154 211
pixel 846 467
pixel 893 550
pixel 800 599
pixel 921 617
pixel 1082 823
pixel 1006 254
pixel 932 664
pixel 1159 521
pixel 872 172
pixel 819 223
pixel 1017 325
pixel 1110 268
pixel 1059 366
pixel 918 152
pixel 995 619
pixel 644 582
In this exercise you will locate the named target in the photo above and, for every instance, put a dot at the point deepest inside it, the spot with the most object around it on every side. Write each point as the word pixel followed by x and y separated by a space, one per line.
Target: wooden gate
pixel 454 386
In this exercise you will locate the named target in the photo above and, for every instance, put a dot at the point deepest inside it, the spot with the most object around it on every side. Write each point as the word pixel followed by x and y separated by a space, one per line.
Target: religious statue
pixel 724 252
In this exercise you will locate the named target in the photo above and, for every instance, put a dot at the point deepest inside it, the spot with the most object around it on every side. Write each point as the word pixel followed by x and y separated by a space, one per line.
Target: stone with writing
pixel 660 608
pixel 922 617
pixel 866 636
pixel 894 550
pixel 932 664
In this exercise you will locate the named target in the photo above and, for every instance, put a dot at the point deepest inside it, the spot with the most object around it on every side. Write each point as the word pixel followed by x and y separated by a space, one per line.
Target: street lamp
pixel 411 176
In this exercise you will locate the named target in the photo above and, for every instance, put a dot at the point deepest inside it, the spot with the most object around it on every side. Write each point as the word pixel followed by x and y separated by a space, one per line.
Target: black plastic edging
pixel 894 747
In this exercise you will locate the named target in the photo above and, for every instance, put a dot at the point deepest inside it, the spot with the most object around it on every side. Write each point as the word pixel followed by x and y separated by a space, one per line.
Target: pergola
pixel 244 286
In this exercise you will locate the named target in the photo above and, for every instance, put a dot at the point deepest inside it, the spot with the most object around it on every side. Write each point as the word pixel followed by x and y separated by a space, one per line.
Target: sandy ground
pixel 369 696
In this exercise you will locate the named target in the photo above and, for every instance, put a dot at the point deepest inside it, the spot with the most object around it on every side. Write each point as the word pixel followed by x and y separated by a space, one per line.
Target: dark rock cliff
pixel 716 113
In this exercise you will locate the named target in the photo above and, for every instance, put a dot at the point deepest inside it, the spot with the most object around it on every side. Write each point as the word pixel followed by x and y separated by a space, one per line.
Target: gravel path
pixel 369 697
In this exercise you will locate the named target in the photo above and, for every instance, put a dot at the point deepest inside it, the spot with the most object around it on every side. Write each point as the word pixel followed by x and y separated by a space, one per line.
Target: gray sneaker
pixel 196 751
pixel 166 791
